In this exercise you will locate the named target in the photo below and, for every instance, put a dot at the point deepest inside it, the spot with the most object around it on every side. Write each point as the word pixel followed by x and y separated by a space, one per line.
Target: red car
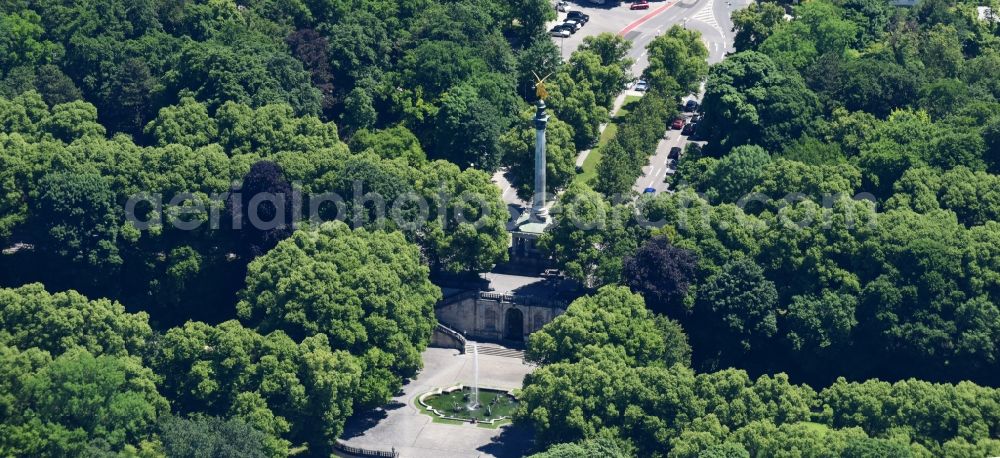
pixel 639 5
pixel 678 123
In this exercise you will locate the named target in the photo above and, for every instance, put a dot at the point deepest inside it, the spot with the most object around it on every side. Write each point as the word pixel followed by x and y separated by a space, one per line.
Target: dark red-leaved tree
pixel 662 273
pixel 260 224
pixel 311 48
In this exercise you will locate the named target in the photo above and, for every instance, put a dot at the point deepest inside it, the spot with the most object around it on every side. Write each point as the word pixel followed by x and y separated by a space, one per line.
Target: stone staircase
pixel 494 350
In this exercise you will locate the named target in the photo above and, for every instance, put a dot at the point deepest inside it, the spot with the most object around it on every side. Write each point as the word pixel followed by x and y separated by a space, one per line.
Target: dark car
pixel 575 24
pixel 689 128
pixel 571 28
pixel 691 106
pixel 678 124
pixel 578 15
pixel 675 153
pixel 649 191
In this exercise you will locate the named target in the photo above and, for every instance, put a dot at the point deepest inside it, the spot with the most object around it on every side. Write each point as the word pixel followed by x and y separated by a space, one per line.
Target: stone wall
pixel 445 337
pixel 493 316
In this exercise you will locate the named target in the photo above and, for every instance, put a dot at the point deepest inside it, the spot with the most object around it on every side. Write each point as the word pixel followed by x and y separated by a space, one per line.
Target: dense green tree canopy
pixel 212 436
pixel 755 23
pixel 749 99
pixel 301 392
pixel 865 135
pixel 467 230
pixel 602 61
pixel 366 291
pixel 596 448
pixel 76 402
pixel 590 237
pixel 613 320
pixel 33 318
pixel 677 61
pixel 394 142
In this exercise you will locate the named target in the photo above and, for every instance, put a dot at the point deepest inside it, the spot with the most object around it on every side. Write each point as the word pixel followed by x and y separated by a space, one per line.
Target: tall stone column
pixel 538 210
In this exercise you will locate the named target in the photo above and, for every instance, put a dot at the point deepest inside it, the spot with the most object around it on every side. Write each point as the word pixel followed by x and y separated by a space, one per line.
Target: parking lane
pixel 655 171
pixel 712 18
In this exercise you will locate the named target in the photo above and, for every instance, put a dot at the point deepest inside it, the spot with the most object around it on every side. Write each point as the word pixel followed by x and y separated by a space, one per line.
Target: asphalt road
pixel 710 17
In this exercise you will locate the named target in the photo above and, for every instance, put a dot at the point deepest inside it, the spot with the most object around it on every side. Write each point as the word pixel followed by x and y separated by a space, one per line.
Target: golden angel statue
pixel 540 86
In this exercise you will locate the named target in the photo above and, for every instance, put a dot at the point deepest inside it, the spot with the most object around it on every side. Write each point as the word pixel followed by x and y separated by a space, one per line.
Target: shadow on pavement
pixel 514 441
pixel 363 421
pixel 551 289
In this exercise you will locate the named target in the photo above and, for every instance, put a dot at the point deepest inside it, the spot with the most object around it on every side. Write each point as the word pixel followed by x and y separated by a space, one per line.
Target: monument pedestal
pixel 524 237
pixel 530 226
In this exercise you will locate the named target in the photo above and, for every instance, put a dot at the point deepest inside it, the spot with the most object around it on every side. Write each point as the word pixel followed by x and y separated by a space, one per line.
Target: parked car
pixel 641 86
pixel 649 191
pixel 571 28
pixel 697 118
pixel 675 153
pixel 578 15
pixel 691 106
pixel 689 128
pixel 560 32
pixel 551 273
pixel 639 5
pixel 561 6
pixel 573 23
pixel 678 124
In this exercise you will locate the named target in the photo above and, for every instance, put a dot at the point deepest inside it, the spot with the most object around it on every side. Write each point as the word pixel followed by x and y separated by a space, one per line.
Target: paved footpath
pixel 401 426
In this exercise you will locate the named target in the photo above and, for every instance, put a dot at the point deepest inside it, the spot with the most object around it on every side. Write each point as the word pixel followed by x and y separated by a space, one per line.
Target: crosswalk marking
pixel 707 15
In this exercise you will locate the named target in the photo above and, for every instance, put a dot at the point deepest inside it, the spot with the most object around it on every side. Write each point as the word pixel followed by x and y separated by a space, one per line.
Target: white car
pixel 575 23
pixel 641 86
pixel 559 33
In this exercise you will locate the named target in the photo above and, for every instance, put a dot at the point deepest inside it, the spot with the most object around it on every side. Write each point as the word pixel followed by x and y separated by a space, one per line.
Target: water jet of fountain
pixel 474 403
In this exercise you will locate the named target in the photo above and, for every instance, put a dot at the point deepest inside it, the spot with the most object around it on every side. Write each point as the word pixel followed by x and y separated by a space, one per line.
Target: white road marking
pixel 707 15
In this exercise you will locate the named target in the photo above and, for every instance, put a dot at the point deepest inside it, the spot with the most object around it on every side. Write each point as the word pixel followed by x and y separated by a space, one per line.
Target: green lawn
pixel 813 426
pixel 446 421
pixel 594 158
pixel 435 418
pixel 494 404
pixel 626 106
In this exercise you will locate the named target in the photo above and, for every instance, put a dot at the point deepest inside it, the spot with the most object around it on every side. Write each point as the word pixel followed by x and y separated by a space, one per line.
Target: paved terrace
pixel 401 426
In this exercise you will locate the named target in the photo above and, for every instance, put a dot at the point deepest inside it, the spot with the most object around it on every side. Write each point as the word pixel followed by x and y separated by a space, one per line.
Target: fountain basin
pixel 453 404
